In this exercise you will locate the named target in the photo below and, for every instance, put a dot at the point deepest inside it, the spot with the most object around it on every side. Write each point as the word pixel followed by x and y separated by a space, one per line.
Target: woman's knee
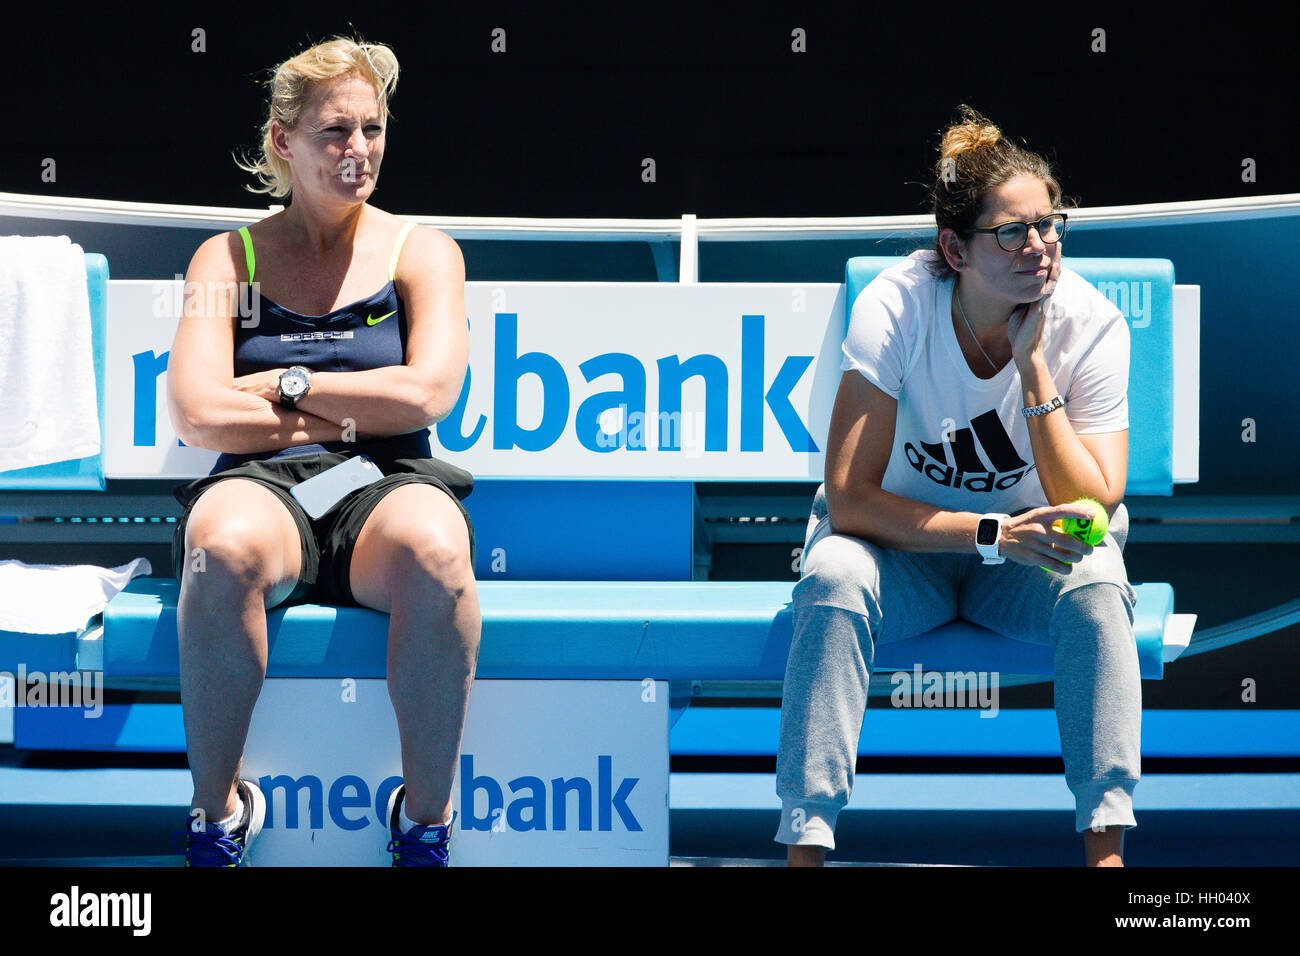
pixel 235 536
pixel 432 554
pixel 1104 567
pixel 1119 526
pixel 842 571
pixel 413 546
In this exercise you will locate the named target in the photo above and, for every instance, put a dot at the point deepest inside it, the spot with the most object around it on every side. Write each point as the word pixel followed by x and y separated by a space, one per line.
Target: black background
pixel 737 123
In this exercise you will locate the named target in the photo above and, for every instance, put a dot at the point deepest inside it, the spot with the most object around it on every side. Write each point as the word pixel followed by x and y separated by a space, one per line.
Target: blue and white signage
pixel 551 773
pixel 626 380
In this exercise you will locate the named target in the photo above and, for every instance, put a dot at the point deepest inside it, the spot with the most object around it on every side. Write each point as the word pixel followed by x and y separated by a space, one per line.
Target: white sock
pixel 231 823
pixel 404 821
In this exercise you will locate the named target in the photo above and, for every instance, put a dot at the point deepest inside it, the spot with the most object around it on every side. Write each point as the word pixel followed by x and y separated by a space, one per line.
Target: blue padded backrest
pixel 80 473
pixel 564 530
pixel 1142 289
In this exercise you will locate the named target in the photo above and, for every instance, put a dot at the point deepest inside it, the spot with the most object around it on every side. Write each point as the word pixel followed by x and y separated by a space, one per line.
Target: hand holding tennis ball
pixel 1090 531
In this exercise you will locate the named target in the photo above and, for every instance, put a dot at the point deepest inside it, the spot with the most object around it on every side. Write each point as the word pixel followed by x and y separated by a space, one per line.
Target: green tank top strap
pixel 397 252
pixel 248 251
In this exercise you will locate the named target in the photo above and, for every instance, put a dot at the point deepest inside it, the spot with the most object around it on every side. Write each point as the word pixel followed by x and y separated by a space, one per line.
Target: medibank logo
pixel 531 798
pixel 346 795
pixel 607 387
pixel 486 803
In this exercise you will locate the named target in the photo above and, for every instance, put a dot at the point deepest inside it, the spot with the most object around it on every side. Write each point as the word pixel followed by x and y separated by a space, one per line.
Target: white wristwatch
pixel 988 534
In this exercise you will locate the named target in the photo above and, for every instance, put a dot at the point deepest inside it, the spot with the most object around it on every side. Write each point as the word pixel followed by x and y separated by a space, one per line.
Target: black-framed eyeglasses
pixel 1012 236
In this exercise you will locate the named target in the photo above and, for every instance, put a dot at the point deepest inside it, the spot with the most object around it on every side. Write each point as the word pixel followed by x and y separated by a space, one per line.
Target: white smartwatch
pixel 988 534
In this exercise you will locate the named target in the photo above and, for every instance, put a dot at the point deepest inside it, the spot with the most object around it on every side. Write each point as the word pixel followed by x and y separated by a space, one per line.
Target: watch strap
pixel 991 553
pixel 1048 406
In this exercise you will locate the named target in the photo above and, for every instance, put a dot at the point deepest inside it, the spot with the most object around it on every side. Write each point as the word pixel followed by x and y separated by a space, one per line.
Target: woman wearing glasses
pixel 984 389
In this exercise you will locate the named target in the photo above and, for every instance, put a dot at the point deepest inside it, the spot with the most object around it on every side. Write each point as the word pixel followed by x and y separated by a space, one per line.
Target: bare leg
pixel 243 555
pixel 412 560
pixel 805 856
pixel 1103 847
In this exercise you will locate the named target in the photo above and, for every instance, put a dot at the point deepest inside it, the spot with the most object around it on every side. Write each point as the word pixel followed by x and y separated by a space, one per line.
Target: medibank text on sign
pixel 627 380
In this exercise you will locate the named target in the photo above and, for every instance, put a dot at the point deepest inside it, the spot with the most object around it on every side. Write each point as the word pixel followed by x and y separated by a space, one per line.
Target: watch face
pixel 986 532
pixel 293 383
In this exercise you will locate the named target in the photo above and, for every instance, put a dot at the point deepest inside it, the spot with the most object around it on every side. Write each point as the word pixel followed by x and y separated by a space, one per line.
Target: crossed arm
pixel 210 408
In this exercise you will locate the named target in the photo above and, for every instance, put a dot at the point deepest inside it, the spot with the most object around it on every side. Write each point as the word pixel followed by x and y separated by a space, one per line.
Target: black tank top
pixel 369 333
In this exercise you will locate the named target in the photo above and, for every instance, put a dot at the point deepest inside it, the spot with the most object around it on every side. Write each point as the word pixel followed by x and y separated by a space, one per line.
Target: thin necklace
pixel 972 331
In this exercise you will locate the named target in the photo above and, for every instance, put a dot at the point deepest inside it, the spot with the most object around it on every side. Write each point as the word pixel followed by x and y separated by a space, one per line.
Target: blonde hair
pixel 971 132
pixel 975 159
pixel 291 86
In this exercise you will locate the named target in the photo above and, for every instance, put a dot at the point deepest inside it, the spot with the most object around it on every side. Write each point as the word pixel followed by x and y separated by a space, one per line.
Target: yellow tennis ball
pixel 1088 530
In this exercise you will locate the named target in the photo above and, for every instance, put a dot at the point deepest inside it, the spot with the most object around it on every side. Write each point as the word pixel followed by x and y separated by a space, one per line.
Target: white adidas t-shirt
pixel 961 442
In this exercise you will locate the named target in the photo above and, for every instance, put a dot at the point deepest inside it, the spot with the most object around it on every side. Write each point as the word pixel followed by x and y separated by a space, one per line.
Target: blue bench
pixel 577 602
pixel 592 630
pixel 680 628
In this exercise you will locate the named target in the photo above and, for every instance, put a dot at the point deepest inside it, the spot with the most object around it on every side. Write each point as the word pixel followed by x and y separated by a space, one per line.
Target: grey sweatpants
pixel 854 595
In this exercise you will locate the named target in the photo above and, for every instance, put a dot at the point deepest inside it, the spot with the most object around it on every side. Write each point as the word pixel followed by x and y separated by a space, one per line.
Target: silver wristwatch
pixel 295 382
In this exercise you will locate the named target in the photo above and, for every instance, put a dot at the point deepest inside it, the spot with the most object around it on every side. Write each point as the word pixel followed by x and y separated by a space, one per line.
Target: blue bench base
pixel 754 731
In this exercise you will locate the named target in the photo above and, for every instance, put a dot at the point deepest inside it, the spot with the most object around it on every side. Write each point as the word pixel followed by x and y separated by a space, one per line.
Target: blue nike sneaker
pixel 213 846
pixel 424 845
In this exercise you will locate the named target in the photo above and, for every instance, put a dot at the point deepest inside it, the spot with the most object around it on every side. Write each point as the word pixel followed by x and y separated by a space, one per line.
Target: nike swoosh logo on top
pixel 370 321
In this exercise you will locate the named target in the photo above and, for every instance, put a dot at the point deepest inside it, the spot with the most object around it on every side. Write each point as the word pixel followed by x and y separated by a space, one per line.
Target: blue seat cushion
pixel 594 630
pixel 37 652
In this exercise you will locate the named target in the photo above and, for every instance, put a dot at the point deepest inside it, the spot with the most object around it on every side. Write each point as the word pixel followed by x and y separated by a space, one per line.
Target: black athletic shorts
pixel 327 541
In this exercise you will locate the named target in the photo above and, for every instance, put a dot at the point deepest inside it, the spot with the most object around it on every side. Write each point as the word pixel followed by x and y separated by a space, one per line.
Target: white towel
pixel 47 369
pixel 58 598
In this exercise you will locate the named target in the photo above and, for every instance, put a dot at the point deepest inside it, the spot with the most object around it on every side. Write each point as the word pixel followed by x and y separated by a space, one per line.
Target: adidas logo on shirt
pixel 967 469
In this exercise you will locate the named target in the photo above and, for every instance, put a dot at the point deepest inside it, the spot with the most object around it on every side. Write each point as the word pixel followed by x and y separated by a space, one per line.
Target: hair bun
pixel 970 133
